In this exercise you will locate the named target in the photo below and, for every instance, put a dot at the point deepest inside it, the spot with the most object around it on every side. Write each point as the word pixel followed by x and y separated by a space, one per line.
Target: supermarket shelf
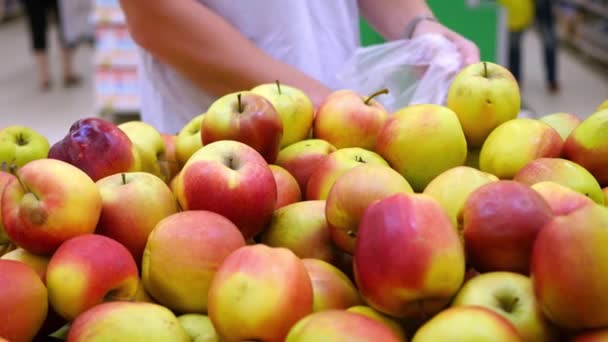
pixel 591 6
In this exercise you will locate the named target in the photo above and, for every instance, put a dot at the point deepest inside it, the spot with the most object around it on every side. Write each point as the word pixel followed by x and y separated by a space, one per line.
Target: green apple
pixel 511 295
pixel 198 327
pixel 20 145
pixel 294 108
pixel 189 140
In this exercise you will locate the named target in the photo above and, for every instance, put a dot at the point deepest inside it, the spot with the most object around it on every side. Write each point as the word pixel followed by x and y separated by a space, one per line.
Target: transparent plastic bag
pixel 415 71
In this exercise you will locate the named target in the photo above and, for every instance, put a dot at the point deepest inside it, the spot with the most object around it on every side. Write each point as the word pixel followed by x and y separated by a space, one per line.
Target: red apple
pixel 408 260
pixel 169 166
pixel 5 178
pixel 288 190
pixel 231 179
pixel 245 117
pixel 38 263
pixel 561 199
pixel 501 220
pixel 48 203
pixel 98 147
pixel 133 203
pixel 331 288
pixel 23 301
pixel 352 193
pixel 347 119
pixel 569 266
pixel 182 255
pixel 88 270
pixel 388 321
pixel 301 158
pixel 259 293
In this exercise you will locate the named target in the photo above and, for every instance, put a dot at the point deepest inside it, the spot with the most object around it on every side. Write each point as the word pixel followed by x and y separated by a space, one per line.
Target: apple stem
pixel 379 92
pixel 124 178
pixel 238 96
pixel 13 170
pixel 485 69
pixel 278 86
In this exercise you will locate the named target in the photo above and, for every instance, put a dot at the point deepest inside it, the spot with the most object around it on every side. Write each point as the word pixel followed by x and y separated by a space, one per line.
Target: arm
pixel 206 49
pixel 391 17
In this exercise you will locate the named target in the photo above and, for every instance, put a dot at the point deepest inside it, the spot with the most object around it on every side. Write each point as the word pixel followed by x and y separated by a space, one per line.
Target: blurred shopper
pixel 38 12
pixel 197 50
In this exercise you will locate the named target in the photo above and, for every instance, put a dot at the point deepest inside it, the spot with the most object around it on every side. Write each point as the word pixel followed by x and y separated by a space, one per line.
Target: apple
pixel 127 321
pixel 288 190
pixel 511 295
pixel 5 178
pixel 467 323
pixel 564 172
pixel 20 145
pixel 394 232
pixel 568 268
pixel 38 263
pixel 88 270
pixel 336 164
pixel 169 166
pixel 259 293
pixel 245 117
pixel 604 190
pixel 384 319
pixel 150 146
pixel 302 228
pixel 597 335
pixel 49 202
pixel 294 108
pixel 97 147
pixel 515 143
pixel 198 327
pixel 587 146
pixel 232 179
pixel 563 123
pixel 501 221
pixel 347 119
pixel 189 140
pixel 340 326
pixel 352 193
pixel 603 105
pixel 483 95
pixel 23 301
pixel 182 256
pixel 302 158
pixel 452 187
pixel 331 287
pixel 132 204
pixel 561 199
pixel 422 141
pixel 142 295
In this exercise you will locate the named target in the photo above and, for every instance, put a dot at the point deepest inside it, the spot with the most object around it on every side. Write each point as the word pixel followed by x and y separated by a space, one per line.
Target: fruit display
pixel 267 219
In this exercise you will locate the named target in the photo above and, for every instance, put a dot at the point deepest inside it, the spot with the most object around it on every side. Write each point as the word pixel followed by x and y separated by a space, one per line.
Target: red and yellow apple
pixel 563 123
pixel 352 193
pixel 336 164
pixel 150 146
pixel 5 178
pixel 331 288
pixel 561 199
pixel 132 204
pixel 408 259
pixel 388 321
pixel 189 140
pixel 483 95
pixel 170 166
pixel 88 270
pixel 288 190
pixel 38 263
pixel 421 142
pixel 23 301
pixel 245 117
pixel 182 256
pixel 259 293
pixel 232 179
pixel 49 202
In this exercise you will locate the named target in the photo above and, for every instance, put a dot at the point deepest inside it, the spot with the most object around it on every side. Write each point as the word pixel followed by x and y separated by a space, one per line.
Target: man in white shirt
pixel 194 51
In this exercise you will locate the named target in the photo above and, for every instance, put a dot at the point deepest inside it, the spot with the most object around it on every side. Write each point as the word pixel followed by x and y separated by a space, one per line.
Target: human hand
pixel 468 49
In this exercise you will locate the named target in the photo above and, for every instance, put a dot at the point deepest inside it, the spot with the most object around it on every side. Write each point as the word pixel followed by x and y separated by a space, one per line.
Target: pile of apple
pixel 265 219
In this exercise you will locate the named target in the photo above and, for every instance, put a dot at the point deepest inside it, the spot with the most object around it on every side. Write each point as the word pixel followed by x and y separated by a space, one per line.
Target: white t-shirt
pixel 314 36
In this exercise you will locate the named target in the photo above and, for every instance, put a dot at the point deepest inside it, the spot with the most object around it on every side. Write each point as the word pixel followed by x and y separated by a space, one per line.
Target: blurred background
pixel 92 63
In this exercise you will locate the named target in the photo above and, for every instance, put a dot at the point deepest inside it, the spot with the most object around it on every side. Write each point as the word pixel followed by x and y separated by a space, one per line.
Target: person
pixel 193 51
pixel 37 12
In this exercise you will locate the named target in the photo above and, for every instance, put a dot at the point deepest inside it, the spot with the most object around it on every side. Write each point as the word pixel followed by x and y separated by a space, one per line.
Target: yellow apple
pixel 563 123
pixel 37 262
pixel 189 140
pixel 198 327
pixel 331 287
pixel 150 146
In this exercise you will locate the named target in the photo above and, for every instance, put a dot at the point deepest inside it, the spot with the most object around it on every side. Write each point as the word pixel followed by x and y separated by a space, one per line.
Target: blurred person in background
pixel 194 51
pixel 38 12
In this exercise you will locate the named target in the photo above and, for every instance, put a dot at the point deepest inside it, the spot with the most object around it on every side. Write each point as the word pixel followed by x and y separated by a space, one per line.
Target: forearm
pixel 206 49
pixel 390 17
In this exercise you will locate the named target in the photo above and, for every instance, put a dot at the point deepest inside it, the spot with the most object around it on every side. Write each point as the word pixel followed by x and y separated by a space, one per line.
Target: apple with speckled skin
pixel 569 265
pixel 393 233
pixel 48 202
pixel 232 179
pixel 259 293
pixel 347 119
pixel 331 287
pixel 288 190
pixel 80 276
pixel 182 255
pixel 127 321
pixel 561 199
pixel 98 147
pixel 563 123
pixel 23 301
